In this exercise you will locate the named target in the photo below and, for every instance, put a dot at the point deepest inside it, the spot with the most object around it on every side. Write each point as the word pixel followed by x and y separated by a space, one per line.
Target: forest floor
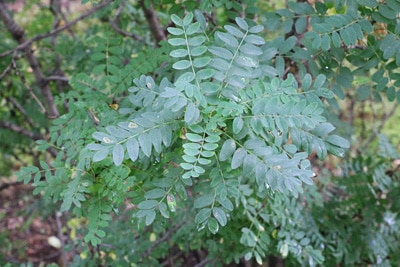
pixel 24 229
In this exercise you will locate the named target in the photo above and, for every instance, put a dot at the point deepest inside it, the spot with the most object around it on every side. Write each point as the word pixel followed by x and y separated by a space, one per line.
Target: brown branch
pixel 7 185
pixel 162 239
pixel 57 78
pixel 379 128
pixel 4 73
pixel 63 255
pixel 27 43
pixel 203 262
pixel 114 24
pixel 28 87
pixel 21 109
pixel 153 21
pixel 19 36
pixel 18 129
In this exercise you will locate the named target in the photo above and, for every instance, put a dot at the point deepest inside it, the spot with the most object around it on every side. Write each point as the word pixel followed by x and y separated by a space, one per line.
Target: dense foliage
pixel 211 126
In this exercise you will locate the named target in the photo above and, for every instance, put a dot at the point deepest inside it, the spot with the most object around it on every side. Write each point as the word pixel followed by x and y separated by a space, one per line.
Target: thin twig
pixel 60 236
pixel 153 21
pixel 18 129
pixel 7 185
pixel 28 87
pixel 27 43
pixel 21 110
pixel 7 70
pixel 203 262
pixel 380 126
pixel 114 24
pixel 57 78
pixel 162 239
pixel 18 35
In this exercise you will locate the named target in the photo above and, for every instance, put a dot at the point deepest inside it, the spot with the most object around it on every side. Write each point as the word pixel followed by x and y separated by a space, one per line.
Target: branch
pixel 162 239
pixel 18 129
pixel 27 43
pixel 7 185
pixel 57 78
pixel 21 109
pixel 4 73
pixel 153 21
pixel 378 129
pixel 114 24
pixel 30 90
pixel 63 255
pixel 19 36
pixel 203 262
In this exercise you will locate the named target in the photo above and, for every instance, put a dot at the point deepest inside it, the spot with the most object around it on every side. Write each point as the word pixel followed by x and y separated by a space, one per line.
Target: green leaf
pixel 177 41
pixel 203 201
pixel 234 31
pixel 221 52
pixel 187 19
pixel 186 166
pixel 177 20
pixel 336 39
pixel 179 53
pixel 201 19
pixel 150 217
pixel 242 23
pixel 254 39
pixel 256 29
pixel 391 93
pixel 155 193
pixel 163 210
pixel 197 40
pixel 237 125
pixel 251 50
pixel 198 169
pixel 210 146
pixel 345 37
pixel 192 113
pixel 212 138
pixel 118 154
pixel 148 204
pixel 227 150
pixel 189 159
pixel 171 201
pixel 132 147
pixel 181 65
pixel 238 158
pixel 146 144
pixel 193 28
pixel 324 129
pixel 101 154
pixel 203 161
pixel 202 215
pixel 198 51
pixel 213 225
pixel 228 39
pixel 180 189
pixel 387 12
pixel 338 141
pixel 301 24
pixel 205 74
pixel 220 215
pixel 175 31
pixel 319 81
pixel 316 44
pixel 194 137
pixel 201 62
pixel 325 42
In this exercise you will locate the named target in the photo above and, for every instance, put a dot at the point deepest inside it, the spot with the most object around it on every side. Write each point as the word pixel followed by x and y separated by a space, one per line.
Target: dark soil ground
pixel 24 232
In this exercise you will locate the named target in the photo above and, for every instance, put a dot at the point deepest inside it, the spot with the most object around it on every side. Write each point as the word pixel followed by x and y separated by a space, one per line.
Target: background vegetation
pixel 199 133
